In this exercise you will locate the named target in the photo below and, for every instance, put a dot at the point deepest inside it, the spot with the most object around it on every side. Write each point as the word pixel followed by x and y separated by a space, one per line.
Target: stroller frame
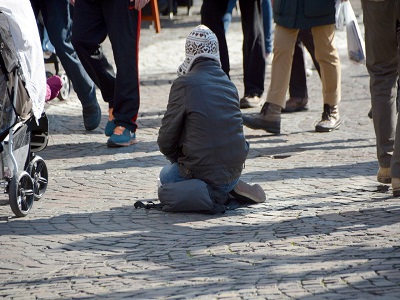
pixel 23 173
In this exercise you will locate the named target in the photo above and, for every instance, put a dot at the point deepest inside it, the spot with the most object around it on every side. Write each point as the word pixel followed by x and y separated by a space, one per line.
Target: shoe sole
pixel 384 179
pixel 284 110
pixel 119 145
pixel 270 126
pixel 277 131
pixel 243 196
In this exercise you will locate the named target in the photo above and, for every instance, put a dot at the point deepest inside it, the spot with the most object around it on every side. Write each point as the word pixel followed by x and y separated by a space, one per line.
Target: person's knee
pixel 82 47
pixel 169 173
pixel 327 55
pixel 77 42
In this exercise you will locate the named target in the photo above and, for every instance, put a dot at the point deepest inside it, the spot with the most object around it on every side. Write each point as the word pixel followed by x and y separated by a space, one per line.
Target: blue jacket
pixel 304 14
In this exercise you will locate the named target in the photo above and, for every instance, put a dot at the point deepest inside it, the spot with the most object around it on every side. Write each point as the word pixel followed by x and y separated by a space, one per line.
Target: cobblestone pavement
pixel 328 230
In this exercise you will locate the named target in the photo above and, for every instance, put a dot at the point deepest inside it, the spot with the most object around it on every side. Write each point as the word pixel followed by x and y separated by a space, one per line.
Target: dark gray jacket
pixel 304 14
pixel 202 128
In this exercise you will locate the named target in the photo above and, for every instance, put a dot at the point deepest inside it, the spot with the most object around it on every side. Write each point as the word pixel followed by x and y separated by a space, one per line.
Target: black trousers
pixel 298 77
pixel 93 21
pixel 212 12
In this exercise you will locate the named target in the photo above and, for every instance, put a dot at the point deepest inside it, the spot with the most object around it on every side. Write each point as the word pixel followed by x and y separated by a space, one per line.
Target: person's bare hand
pixel 139 4
pixel 72 2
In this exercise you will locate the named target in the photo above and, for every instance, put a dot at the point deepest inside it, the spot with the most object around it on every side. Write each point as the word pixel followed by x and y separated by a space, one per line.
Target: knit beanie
pixel 201 42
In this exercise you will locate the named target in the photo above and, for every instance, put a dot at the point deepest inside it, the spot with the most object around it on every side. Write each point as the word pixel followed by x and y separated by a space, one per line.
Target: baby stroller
pixel 23 127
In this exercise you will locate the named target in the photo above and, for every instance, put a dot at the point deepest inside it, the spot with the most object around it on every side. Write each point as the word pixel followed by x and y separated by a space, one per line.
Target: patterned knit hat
pixel 201 42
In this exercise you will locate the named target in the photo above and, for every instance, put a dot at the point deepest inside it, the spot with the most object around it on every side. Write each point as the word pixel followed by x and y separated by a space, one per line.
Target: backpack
pixel 191 195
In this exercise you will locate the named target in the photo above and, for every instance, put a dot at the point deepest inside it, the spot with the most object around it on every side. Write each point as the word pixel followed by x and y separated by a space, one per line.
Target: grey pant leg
pixel 395 162
pixel 381 49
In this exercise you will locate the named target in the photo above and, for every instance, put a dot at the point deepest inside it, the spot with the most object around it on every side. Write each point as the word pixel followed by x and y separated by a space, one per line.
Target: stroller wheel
pixel 37 169
pixel 21 194
pixel 66 87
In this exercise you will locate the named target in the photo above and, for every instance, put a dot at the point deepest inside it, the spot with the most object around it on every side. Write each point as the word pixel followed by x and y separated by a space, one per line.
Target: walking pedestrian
pixel 58 23
pixel 382 41
pixel 212 13
pixel 120 20
pixel 266 18
pixel 290 16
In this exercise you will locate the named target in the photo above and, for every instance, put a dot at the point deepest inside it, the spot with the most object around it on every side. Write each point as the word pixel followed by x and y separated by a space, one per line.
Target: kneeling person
pixel 202 130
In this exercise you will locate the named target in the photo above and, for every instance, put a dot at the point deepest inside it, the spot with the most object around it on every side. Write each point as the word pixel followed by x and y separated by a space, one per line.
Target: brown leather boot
pixel 269 119
pixel 295 104
pixel 383 175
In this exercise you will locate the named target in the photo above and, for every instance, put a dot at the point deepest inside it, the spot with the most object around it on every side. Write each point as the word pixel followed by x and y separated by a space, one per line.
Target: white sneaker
pixel 250 101
pixel 268 58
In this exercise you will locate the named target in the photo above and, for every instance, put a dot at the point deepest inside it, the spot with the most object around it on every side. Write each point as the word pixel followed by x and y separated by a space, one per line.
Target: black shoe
pixel 269 119
pixel 91 116
pixel 330 119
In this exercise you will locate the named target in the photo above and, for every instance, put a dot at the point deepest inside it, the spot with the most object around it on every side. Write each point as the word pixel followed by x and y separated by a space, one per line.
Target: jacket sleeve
pixel 172 123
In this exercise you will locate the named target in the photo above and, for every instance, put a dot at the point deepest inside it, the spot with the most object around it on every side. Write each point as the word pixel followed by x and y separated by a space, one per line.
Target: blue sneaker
pixel 109 129
pixel 121 137
pixel 91 116
pixel 110 126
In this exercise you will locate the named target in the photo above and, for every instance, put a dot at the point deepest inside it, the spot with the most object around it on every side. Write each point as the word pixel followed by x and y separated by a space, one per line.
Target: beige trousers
pixel 325 53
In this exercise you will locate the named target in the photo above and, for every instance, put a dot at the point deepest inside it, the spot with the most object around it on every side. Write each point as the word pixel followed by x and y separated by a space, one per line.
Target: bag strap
pixel 231 204
pixel 148 205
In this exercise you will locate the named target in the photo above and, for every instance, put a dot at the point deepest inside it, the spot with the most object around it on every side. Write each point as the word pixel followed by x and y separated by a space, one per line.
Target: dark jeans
pixel 93 22
pixel 267 24
pixel 212 13
pixel 298 77
pixel 58 23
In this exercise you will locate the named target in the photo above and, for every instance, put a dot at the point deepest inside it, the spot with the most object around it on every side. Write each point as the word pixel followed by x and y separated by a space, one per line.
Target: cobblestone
pixel 328 230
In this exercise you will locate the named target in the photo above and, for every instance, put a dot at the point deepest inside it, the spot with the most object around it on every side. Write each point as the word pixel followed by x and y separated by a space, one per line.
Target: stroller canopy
pixel 26 38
